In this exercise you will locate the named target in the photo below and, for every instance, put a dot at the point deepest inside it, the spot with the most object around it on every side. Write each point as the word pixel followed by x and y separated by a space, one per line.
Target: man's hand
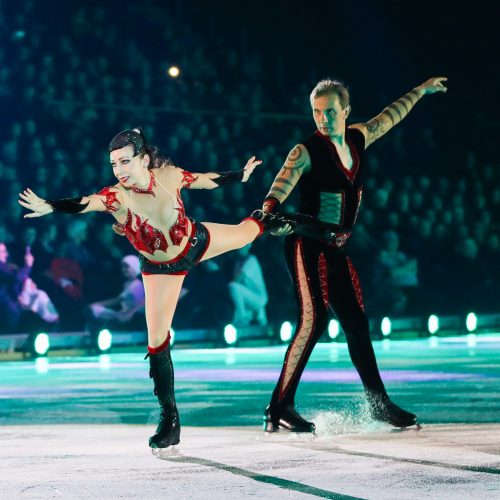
pixel 433 85
pixel 283 231
pixel 249 168
pixel 38 206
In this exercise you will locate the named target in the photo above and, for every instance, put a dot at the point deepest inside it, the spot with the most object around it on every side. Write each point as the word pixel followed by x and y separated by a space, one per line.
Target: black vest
pixel 330 192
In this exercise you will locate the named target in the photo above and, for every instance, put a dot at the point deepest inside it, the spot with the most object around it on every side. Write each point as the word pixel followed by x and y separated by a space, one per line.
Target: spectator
pixel 248 290
pixel 124 308
pixel 394 274
pixel 11 284
pixel 38 302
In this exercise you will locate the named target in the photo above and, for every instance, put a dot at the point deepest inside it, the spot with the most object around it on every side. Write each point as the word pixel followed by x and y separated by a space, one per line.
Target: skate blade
pixel 284 435
pixel 166 453
pixel 415 427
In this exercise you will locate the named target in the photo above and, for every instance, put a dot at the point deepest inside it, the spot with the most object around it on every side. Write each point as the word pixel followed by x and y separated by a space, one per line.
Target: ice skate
pixel 168 431
pixel 288 420
pixel 270 221
pixel 169 428
pixel 304 225
pixel 311 227
pixel 384 410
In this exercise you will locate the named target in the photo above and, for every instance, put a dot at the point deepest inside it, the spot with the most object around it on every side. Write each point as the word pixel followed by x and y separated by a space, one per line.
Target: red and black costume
pixel 324 275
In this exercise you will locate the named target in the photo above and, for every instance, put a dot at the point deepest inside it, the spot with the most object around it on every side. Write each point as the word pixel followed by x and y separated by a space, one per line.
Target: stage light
pixel 333 329
pixel 386 326
pixel 41 344
pixel 104 340
pixel 471 322
pixel 433 324
pixel 172 336
pixel 230 334
pixel 286 331
pixel 173 71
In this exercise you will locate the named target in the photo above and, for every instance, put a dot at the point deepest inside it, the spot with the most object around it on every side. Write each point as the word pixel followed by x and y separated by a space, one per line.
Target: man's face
pixel 328 115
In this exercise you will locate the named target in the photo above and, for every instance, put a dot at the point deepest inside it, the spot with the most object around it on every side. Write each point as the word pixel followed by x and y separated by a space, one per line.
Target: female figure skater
pixel 146 203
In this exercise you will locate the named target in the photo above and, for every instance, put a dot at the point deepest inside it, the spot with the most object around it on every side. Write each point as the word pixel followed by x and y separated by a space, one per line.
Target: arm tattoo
pixel 391 116
pixel 295 165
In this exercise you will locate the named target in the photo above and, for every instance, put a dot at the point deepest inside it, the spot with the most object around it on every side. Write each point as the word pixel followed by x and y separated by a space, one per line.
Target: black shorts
pixel 195 250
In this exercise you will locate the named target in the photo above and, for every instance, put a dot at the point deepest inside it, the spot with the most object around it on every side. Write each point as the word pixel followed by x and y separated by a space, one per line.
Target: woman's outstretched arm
pixel 212 180
pixel 107 200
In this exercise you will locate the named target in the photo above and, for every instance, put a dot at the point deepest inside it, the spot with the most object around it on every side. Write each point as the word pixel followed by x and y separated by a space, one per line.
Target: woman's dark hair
pixel 135 138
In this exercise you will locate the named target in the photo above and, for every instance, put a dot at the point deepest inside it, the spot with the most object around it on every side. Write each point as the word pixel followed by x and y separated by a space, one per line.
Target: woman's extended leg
pixel 226 237
pixel 162 293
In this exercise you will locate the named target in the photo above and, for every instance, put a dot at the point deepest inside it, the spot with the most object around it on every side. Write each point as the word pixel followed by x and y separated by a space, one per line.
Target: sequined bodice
pixel 143 236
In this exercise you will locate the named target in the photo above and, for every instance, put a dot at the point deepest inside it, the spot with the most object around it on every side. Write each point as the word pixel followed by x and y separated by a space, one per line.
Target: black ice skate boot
pixel 304 225
pixel 311 227
pixel 269 221
pixel 285 418
pixel 384 410
pixel 169 428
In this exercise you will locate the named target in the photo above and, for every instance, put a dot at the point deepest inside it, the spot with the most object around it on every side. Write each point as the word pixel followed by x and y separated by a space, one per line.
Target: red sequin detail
pixel 323 278
pixel 355 283
pixel 360 196
pixel 187 179
pixel 111 203
pixel 341 239
pixel 149 189
pixel 180 228
pixel 144 237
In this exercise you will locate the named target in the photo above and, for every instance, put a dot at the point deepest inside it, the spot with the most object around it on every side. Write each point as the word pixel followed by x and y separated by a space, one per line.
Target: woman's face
pixel 127 168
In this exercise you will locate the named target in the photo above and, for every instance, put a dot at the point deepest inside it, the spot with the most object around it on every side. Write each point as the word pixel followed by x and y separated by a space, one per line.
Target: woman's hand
pixel 38 206
pixel 249 168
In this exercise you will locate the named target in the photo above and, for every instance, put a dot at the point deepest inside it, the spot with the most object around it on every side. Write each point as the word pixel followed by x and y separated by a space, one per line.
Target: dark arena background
pixel 212 83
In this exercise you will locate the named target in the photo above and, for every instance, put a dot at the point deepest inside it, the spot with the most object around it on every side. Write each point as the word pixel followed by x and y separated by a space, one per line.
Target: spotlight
pixel 471 322
pixel 433 324
pixel 286 331
pixel 41 345
pixel 333 329
pixel 230 334
pixel 104 340
pixel 386 326
pixel 173 71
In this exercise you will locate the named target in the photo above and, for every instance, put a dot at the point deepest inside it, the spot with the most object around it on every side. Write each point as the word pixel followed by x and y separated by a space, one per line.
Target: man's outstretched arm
pixel 376 127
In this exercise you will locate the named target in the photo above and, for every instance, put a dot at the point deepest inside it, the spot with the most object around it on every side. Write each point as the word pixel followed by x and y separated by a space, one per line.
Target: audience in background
pixel 441 205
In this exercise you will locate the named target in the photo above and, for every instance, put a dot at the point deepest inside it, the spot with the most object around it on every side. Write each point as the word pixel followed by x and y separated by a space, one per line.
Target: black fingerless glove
pixel 68 205
pixel 228 177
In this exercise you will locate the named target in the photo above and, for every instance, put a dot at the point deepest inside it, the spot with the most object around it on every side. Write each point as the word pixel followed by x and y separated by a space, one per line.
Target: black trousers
pixel 324 277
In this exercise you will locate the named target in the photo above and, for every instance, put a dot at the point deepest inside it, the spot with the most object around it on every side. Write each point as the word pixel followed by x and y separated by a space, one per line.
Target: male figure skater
pixel 328 169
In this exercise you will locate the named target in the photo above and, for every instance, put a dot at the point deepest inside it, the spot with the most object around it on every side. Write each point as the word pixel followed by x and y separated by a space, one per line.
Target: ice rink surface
pixel 78 427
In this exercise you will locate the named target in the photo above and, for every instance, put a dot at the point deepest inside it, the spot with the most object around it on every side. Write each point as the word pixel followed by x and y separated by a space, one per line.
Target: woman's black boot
pixel 169 428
